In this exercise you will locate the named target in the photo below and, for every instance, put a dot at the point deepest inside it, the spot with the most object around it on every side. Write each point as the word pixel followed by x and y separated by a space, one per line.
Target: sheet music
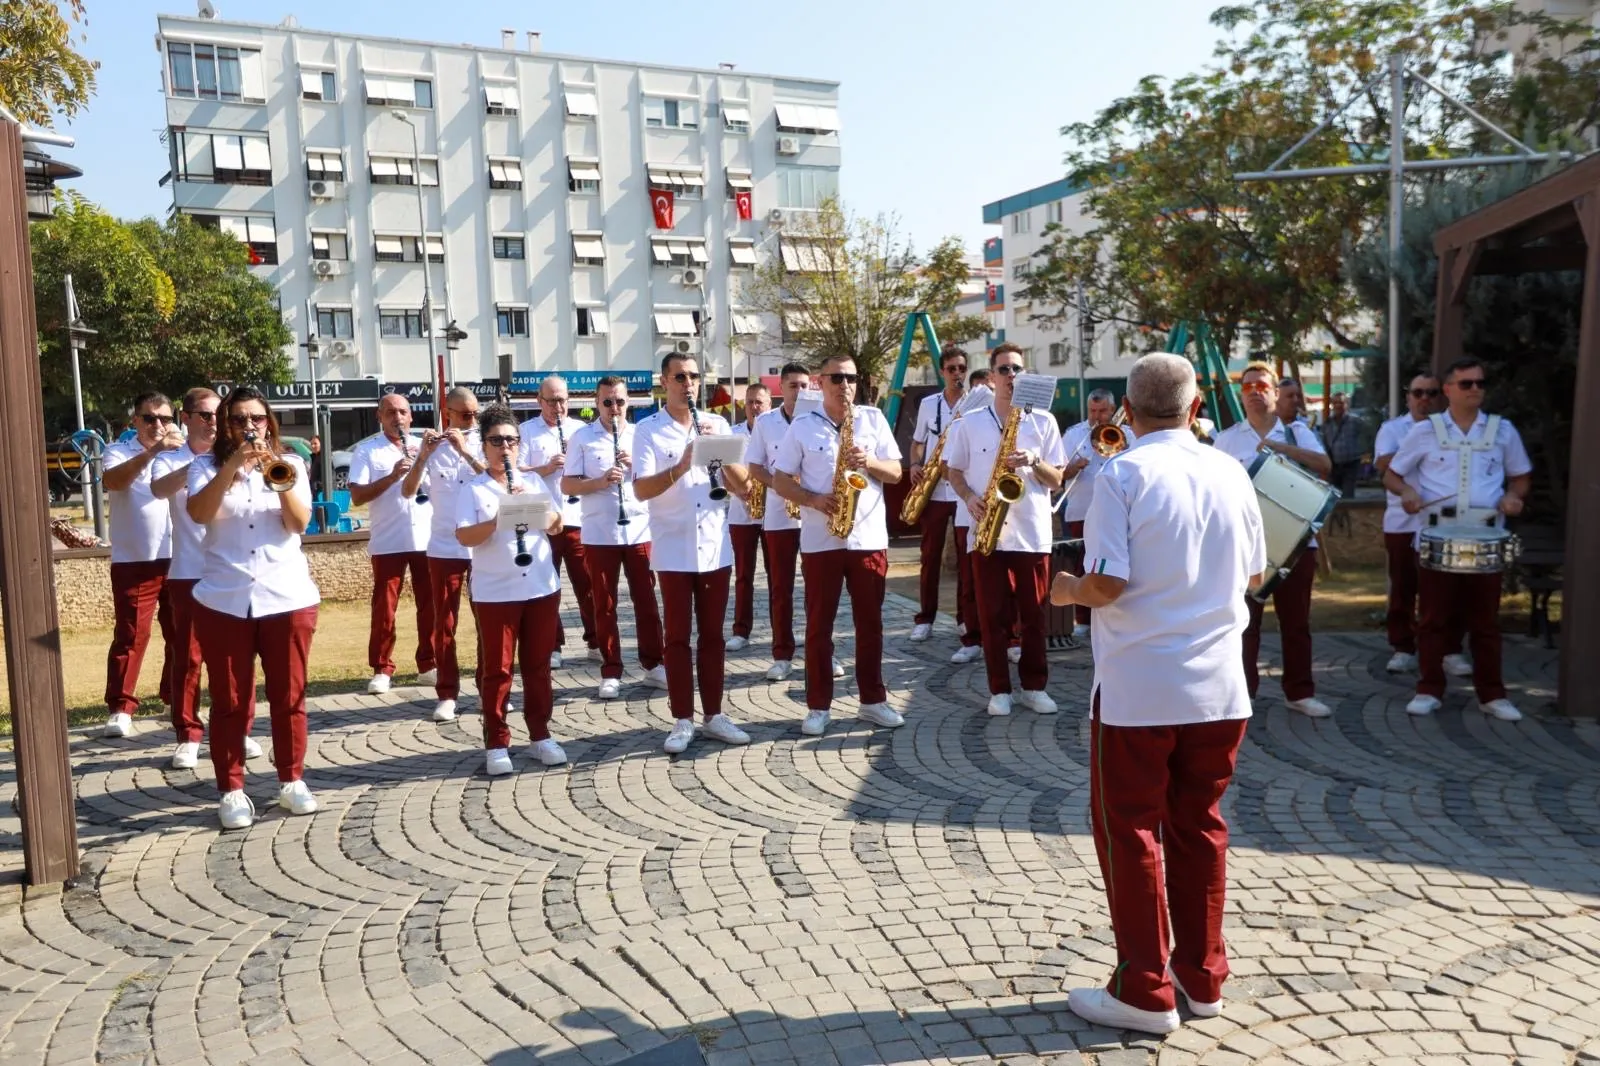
pixel 1034 390
pixel 980 397
pixel 523 508
pixel 722 449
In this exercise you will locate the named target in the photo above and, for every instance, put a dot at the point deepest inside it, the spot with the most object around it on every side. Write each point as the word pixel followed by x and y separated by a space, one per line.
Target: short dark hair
pixel 496 414
pixel 949 354
pixel 670 358
pixel 1466 362
pixel 793 368
pixel 195 395
pixel 157 399
pixel 978 376
pixel 837 357
pixel 1005 349
pixel 756 385
pixel 610 380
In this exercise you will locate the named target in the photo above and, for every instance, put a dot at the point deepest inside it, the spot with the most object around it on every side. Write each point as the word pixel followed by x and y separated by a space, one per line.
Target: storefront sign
pixel 582 380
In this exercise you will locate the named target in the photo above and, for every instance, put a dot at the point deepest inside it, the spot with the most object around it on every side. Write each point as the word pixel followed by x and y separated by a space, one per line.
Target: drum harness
pixel 1463 512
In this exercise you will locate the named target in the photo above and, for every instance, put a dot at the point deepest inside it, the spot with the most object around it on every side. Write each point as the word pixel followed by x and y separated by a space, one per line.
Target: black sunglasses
pixel 684 376
pixel 204 416
pixel 247 420
pixel 1008 369
pixel 843 379
pixel 502 440
pixel 614 401
pixel 1420 393
pixel 957 369
pixel 1472 383
pixel 151 420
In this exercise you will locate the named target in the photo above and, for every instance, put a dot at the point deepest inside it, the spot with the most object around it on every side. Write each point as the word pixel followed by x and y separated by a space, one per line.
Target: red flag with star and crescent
pixel 745 204
pixel 661 201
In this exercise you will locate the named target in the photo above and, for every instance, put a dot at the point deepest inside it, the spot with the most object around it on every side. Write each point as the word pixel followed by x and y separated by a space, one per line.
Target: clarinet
pixel 616 453
pixel 561 438
pixel 422 493
pixel 717 491
pixel 524 557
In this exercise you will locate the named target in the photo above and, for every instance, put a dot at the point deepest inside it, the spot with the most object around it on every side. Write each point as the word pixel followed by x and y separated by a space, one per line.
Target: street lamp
pixel 78 336
pixel 422 249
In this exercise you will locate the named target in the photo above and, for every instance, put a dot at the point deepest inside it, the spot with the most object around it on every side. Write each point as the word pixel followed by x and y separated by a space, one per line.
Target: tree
pixel 41 74
pixel 942 276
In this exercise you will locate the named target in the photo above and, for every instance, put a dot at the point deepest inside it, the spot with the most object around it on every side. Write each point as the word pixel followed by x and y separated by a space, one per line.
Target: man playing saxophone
pixel 835 462
pixel 1011 564
pixel 934 416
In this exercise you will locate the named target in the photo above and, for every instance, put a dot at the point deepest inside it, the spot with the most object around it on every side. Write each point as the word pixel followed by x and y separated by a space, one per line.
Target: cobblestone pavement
pixel 1401 890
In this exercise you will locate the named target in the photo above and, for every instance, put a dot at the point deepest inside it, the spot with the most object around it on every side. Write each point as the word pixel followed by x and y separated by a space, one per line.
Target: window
pixel 807 118
pixel 324 164
pixel 403 248
pixel 215 72
pixel 807 187
pixel 224 158
pixel 747 324
pixel 1055 211
pixel 677 323
pixel 1022 222
pixel 1058 353
pixel 335 322
pixel 511 321
pixel 685 182
pixel 736 118
pixel 258 233
pixel 796 322
pixel 505 173
pixel 399 91
pixel 404 324
pixel 508 248
pixel 672 114
pixel 581 103
pixel 588 249
pixel 807 255
pixel 401 170
pixel 423 90
pixel 583 175
pixel 1021 270
pixel 742 252
pixel 678 251
pixel 500 99
pixel 738 181
pixel 593 322
pixel 329 244
pixel 388 249
pixel 317 85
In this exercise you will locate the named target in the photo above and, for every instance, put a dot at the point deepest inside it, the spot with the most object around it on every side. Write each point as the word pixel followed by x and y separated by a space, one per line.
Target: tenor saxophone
pixel 847 483
pixel 932 473
pixel 1005 488
pixel 757 505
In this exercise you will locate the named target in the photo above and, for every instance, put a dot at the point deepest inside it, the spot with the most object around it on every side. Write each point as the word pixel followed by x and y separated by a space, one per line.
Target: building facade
pixel 575 214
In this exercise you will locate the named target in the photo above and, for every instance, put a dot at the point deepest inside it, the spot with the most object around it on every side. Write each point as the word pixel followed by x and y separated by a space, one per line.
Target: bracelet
pixel 672 475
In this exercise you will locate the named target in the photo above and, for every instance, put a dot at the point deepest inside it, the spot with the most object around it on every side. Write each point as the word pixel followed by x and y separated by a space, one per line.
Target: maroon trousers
pixel 746 541
pixel 1155 796
pixel 567 547
pixel 1447 605
pixel 445 578
pixel 783 552
pixel 1291 602
pixel 936 518
pixel 1013 585
pixel 138 593
pixel 828 574
pixel 1080 613
pixel 520 631
pixel 967 591
pixel 603 563
pixel 700 600
pixel 1402 617
pixel 388 577
pixel 230 646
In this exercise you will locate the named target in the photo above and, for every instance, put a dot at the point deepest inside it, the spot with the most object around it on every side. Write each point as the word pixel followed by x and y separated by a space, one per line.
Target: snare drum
pixel 1466 549
pixel 1294 505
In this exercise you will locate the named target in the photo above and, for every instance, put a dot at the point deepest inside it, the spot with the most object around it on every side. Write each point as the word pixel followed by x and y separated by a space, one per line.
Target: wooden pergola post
pixel 1579 676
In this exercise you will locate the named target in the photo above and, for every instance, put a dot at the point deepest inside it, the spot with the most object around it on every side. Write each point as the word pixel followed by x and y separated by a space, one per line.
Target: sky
pixel 946 106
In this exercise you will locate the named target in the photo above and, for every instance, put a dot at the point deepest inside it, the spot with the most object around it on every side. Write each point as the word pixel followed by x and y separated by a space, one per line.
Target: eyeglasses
pixel 614 402
pixel 1471 383
pixel 683 377
pixel 960 369
pixel 502 440
pixel 204 416
pixel 843 379
pixel 247 420
pixel 1008 369
pixel 1417 394
pixel 151 420
pixel 1255 386
pixel 461 412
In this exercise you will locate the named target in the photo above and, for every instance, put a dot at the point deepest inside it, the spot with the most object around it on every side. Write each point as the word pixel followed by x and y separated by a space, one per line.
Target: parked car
pixel 341 462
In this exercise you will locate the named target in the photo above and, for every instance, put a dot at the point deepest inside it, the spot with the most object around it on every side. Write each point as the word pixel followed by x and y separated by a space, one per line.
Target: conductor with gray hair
pixel 1173 541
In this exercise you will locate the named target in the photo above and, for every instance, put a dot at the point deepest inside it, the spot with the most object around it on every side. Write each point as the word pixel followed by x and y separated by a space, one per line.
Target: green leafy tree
pixel 942 276
pixel 42 74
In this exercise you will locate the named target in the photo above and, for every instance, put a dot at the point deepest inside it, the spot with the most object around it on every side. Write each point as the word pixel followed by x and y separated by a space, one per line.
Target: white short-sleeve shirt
pixel 688 529
pixel 542 442
pixel 188 536
pixel 1075 445
pixel 934 416
pixel 590 454
pixel 1436 470
pixel 141 526
pixel 398 522
pixel 496 577
pixel 448 474
pixel 1179 522
pixel 765 440
pixel 1241 441
pixel 738 513
pixel 1390 436
pixel 972 450
pixel 810 453
pixel 254 567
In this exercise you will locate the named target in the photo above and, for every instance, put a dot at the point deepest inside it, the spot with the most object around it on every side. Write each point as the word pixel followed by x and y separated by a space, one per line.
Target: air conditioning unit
pixel 686 346
pixel 326 268
pixel 788 146
pixel 777 217
pixel 692 276
pixel 326 190
pixel 342 348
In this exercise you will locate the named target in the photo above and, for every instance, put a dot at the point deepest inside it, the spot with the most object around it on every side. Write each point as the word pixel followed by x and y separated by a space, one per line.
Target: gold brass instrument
pixel 932 473
pixel 276 471
pixel 757 504
pixel 1005 488
pixel 847 483
pixel 791 509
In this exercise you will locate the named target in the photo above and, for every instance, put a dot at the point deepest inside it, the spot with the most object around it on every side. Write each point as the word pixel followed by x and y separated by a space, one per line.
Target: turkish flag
pixel 661 201
pixel 255 256
pixel 742 201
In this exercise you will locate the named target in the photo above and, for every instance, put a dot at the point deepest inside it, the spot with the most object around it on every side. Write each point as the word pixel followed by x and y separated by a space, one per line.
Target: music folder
pixel 722 449
pixel 523 508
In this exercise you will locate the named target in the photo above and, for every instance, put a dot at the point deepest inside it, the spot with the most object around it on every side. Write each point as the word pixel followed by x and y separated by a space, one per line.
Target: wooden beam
pixel 1578 687
pixel 1559 219
pixel 1449 314
pixel 1563 187
pixel 1464 265
pixel 27 572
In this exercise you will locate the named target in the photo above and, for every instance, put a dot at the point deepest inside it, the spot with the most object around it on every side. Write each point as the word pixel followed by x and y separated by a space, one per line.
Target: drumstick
pixel 1441 499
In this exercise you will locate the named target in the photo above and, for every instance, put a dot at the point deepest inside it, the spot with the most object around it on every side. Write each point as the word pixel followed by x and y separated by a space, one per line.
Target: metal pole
pixel 434 361
pixel 1397 159
pixel 87 469
pixel 1083 353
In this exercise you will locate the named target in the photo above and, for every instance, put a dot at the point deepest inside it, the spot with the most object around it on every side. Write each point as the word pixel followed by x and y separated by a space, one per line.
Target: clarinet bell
pixel 523 558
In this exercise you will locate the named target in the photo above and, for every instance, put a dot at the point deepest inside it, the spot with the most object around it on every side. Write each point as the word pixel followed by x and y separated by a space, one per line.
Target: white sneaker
pixel 610 688
pixel 1039 702
pixel 737 643
pixel 1421 705
pixel 1099 1006
pixel 428 677
pixel 1080 631
pixel 1000 704
pixel 678 739
pixel 548 752
pixel 1401 662
pixel 594 654
pixel 815 724
pixel 1458 665
pixel 497 761
pixel 445 711
pixel 780 671
pixel 296 798
pixel 656 678
pixel 119 724
pixel 966 653
pixel 1311 707
pixel 1014 654
pixel 838 669
pixel 721 727
pixel 186 756
pixel 378 684
pixel 1502 709
pixel 880 714
pixel 555 660
pixel 1197 1008
pixel 235 811
pixel 252 750
pixel 921 632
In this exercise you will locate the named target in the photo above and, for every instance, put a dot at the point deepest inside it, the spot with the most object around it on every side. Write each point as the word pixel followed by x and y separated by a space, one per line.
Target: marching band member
pixel 971 626
pixel 934 415
pixel 516 593
pixel 398 541
pixel 690 553
pixel 746 531
pixel 141 553
pixel 1082 468
pixel 450 461
pixel 1014 580
pixel 1400 529
pixel 255 597
pixel 806 472
pixel 1469 468
pixel 1174 540
pixel 780 534
pixel 544 452
pixel 169 480
pixel 1264 427
pixel 616 534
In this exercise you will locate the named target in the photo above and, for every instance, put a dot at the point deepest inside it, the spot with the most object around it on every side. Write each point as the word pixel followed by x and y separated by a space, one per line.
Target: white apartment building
pixel 537 174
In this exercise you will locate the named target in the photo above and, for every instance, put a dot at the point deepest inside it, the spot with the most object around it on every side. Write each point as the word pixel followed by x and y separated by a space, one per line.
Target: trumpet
pixel 616 456
pixel 278 473
pixel 717 491
pixel 524 557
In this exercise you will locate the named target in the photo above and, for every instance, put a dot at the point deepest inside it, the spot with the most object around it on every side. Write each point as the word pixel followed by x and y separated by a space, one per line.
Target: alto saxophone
pixel 847 483
pixel 932 473
pixel 757 504
pixel 1005 488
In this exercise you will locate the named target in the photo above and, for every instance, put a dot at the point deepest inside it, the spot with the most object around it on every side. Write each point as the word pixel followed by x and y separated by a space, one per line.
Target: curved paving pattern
pixel 1402 890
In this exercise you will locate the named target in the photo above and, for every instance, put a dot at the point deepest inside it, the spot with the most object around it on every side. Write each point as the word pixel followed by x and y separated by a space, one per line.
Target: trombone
pixel 1106 440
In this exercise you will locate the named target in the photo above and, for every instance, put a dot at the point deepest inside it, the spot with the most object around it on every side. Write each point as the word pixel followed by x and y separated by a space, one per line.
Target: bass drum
pixel 1294 505
pixel 1466 549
